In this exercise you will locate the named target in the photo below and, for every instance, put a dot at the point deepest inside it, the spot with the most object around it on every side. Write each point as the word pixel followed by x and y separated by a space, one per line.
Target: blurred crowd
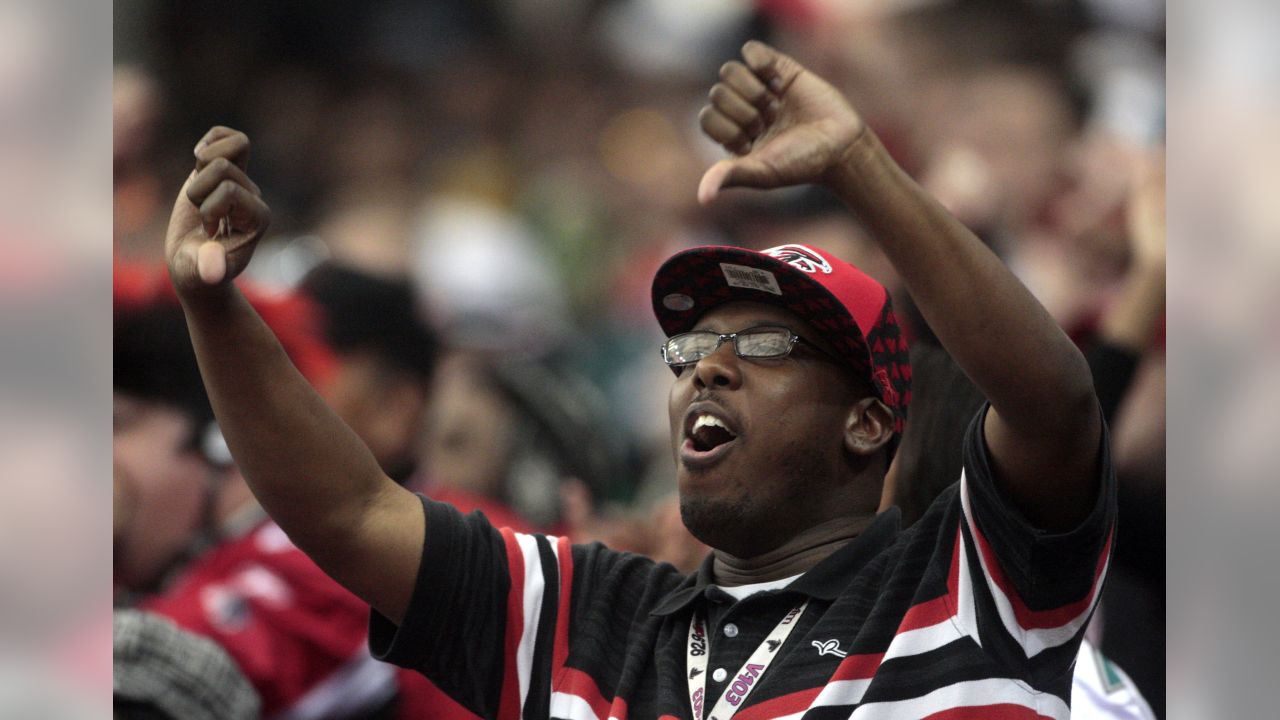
pixel 469 202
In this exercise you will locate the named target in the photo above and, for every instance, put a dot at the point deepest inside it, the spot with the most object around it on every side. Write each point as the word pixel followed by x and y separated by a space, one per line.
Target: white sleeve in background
pixel 1100 690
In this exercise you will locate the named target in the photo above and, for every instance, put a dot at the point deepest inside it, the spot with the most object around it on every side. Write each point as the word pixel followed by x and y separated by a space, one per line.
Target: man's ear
pixel 868 427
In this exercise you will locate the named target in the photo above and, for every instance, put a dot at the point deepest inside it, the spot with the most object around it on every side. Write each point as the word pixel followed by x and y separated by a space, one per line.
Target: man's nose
pixel 721 369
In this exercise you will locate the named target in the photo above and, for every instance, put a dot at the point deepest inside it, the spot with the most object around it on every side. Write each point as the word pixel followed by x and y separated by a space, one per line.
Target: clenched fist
pixel 786 125
pixel 218 218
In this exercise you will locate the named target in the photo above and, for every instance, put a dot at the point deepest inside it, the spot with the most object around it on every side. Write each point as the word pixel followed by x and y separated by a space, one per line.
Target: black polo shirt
pixel 971 612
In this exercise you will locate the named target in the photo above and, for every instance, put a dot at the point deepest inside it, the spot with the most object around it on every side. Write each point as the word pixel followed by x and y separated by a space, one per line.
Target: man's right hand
pixel 218 218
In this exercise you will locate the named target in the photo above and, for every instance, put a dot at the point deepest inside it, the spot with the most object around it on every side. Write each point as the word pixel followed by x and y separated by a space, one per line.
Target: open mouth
pixel 709 432
pixel 708 438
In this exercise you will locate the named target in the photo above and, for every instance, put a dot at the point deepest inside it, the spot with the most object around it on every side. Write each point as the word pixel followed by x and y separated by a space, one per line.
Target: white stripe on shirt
pixel 534 583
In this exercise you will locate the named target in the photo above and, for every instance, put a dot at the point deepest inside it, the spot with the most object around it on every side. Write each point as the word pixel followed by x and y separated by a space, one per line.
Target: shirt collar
pixel 824 581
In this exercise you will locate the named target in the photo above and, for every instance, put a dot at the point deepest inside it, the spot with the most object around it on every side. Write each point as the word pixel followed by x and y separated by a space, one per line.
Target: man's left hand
pixel 786 125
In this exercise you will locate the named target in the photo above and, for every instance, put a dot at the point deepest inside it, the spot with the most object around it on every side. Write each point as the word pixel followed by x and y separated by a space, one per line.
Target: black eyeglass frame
pixel 721 338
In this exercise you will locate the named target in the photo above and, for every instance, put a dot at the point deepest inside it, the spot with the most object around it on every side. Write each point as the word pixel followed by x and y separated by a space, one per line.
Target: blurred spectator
pixel 370 228
pixel 139 197
pixel 386 355
pixel 164 673
pixel 1000 133
pixel 193 545
pixel 173 477
pixel 482 272
pixel 526 437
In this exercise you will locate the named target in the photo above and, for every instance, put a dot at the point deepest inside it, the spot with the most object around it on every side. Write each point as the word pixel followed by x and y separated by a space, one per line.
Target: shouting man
pixel 791 389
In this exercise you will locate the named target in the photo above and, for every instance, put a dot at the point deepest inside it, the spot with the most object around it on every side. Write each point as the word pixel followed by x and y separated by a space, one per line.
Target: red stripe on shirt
pixel 953 574
pixel 1030 619
pixel 572 681
pixel 509 701
pixel 927 613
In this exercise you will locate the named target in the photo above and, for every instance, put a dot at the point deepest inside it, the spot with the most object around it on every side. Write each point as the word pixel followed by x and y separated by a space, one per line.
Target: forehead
pixel 735 316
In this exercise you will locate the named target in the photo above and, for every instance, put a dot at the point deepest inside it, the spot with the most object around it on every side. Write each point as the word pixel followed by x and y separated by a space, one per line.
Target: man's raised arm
pixel 788 126
pixel 311 473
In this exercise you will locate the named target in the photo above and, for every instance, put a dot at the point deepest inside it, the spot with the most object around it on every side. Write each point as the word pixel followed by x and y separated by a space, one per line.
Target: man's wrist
pixel 863 166
pixel 209 300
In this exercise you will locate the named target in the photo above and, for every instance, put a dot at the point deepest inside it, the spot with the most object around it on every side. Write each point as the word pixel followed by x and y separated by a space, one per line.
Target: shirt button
pixel 731 630
pixel 719 675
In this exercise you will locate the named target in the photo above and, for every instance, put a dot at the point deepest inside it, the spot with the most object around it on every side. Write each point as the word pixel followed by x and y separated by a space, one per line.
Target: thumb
pixel 712 180
pixel 738 172
pixel 211 262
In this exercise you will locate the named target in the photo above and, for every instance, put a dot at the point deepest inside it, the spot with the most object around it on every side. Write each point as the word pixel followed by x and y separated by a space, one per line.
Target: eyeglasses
pixel 764 342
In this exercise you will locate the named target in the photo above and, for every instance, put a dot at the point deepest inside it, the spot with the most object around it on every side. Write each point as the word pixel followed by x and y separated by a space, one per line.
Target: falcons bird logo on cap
pixel 800 257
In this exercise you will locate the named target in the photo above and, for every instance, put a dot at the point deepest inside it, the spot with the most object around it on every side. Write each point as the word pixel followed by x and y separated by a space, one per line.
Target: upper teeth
pixel 708 421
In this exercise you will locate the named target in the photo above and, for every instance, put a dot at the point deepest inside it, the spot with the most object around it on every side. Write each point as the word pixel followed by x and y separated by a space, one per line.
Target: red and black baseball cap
pixel 851 310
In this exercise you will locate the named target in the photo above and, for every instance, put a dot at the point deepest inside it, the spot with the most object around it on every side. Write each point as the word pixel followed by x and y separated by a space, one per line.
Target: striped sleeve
pixel 1024 594
pixel 537 622
pixel 485 622
pixel 609 597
